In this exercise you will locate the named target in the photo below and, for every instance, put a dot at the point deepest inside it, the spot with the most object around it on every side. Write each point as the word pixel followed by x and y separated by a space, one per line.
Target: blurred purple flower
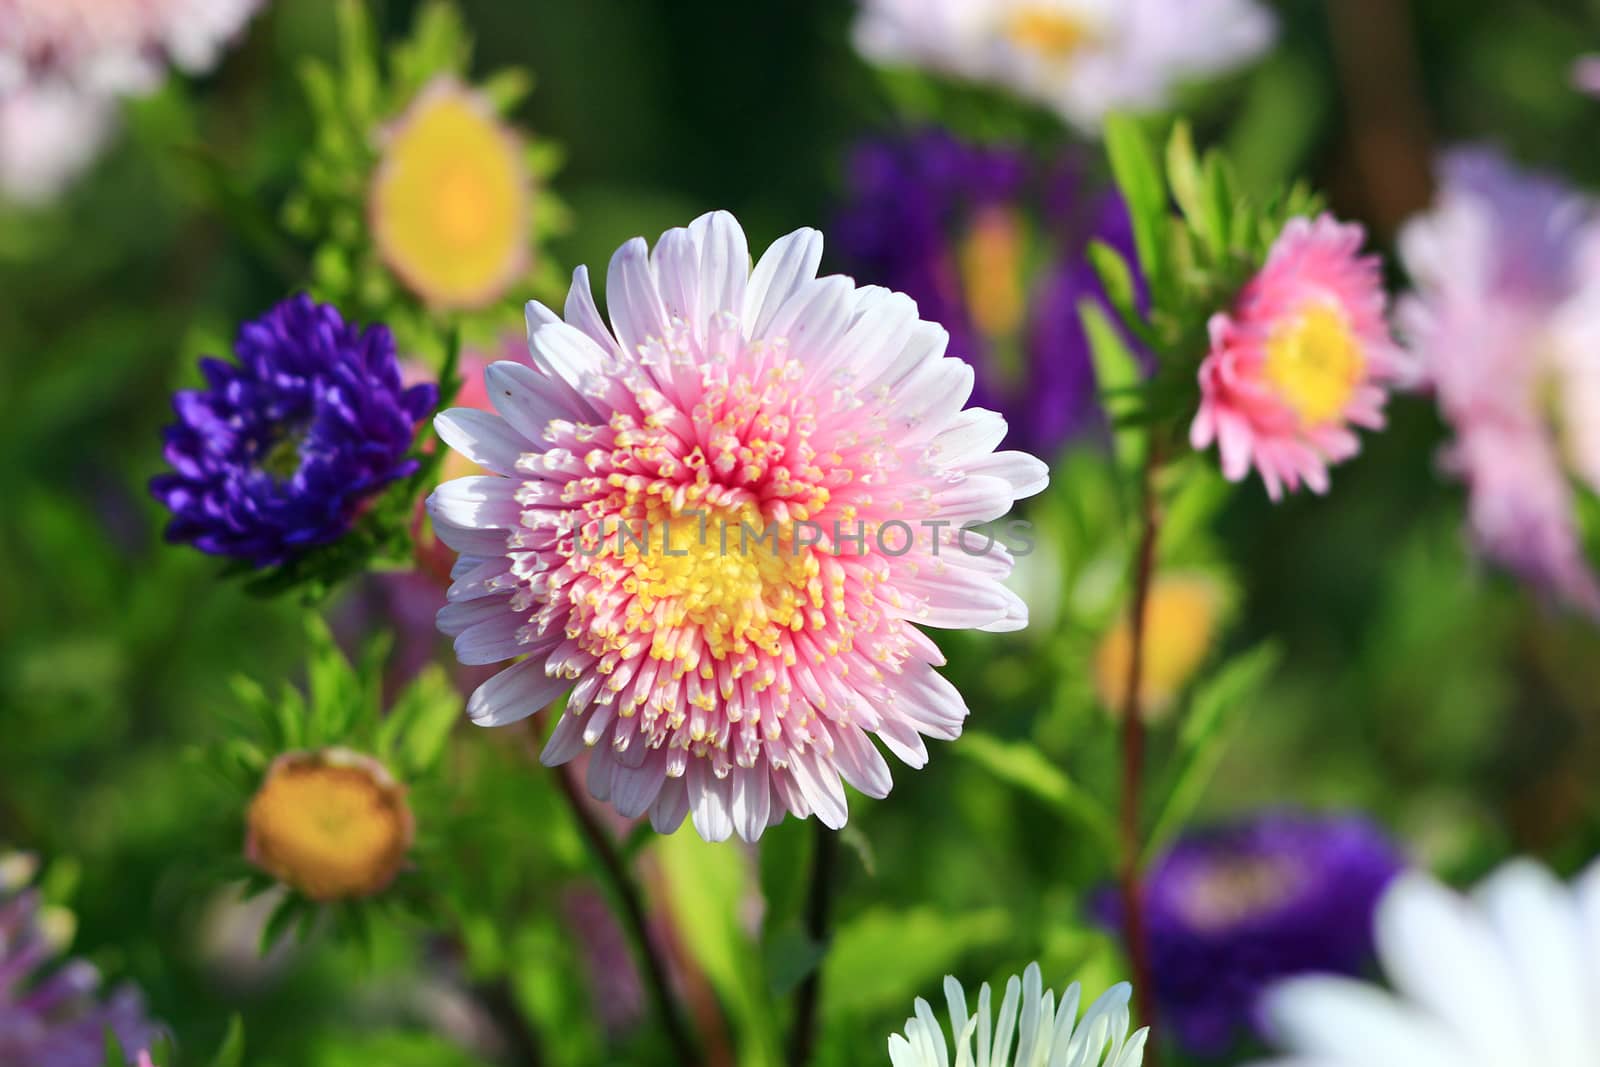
pixel 282 449
pixel 1231 909
pixel 990 242
pixel 1503 322
pixel 50 1014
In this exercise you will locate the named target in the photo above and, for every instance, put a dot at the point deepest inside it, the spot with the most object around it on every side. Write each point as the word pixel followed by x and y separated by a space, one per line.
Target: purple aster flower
pixel 50 1015
pixel 990 242
pixel 1232 909
pixel 281 450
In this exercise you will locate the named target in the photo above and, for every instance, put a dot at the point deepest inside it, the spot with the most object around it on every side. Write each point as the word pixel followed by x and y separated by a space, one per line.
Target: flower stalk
pixel 626 892
pixel 819 907
pixel 1133 760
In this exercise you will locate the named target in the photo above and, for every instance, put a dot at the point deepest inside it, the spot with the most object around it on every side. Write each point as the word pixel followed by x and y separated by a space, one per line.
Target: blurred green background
pixel 1413 685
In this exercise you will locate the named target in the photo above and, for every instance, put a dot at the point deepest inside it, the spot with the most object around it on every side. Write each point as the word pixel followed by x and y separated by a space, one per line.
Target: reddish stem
pixel 1133 759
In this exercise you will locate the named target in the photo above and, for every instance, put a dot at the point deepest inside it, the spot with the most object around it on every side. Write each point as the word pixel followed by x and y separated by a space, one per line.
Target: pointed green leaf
pixel 1220 704
pixel 283 917
pixel 1116 277
pixel 1133 164
pixel 435 709
pixel 507 88
pixel 1120 379
pixel 231 1054
pixel 1183 172
pixel 358 62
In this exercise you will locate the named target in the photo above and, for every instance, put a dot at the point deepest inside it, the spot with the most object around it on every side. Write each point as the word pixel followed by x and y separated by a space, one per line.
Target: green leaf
pixel 284 916
pixel 422 720
pixel 359 61
pixel 1217 205
pixel 790 955
pixel 1219 708
pixel 881 960
pixel 114 1055
pixel 1183 172
pixel 1116 277
pixel 1194 505
pixel 785 857
pixel 231 1054
pixel 1133 164
pixel 507 88
pixel 707 887
pixel 1022 765
pixel 1120 380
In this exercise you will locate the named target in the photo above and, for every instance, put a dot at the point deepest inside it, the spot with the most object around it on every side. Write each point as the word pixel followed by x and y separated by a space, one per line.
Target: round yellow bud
pixel 333 824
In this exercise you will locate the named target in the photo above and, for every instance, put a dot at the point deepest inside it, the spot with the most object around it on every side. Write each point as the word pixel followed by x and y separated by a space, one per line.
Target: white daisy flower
pixel 1508 976
pixel 1084 58
pixel 1044 1033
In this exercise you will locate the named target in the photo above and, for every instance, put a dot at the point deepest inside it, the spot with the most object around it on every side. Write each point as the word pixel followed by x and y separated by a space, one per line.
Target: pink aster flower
pixel 48 136
pixel 1504 322
pixel 719 523
pixel 114 46
pixel 1304 355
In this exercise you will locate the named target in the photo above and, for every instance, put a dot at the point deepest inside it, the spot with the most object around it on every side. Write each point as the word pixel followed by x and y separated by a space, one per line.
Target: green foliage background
pixel 1408 683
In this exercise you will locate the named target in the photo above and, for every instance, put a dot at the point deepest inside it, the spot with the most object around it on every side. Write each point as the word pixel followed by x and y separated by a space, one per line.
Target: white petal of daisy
pixel 1084 58
pixel 1504 978
pixel 1042 1033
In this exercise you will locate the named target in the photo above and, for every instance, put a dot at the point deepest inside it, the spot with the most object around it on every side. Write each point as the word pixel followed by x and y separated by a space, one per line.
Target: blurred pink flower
pixel 64 63
pixel 114 46
pixel 734 681
pixel 48 135
pixel 1303 356
pixel 1586 74
pixel 1504 323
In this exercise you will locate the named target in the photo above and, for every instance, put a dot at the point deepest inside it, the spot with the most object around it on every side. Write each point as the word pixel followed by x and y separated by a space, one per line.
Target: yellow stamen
pixel 1053 34
pixel 1315 363
pixel 1236 889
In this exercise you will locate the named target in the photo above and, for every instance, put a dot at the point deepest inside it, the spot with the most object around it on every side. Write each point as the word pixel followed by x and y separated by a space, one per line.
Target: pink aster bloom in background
pixel 48 136
pixel 714 521
pixel 1303 356
pixel 64 64
pixel 1504 323
pixel 1586 74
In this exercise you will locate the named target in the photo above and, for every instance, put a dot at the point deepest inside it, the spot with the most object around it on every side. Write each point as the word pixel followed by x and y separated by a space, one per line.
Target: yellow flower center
pixel 1236 889
pixel 1315 364
pixel 724 572
pixel 282 460
pixel 1051 33
pixel 331 824
pixel 1180 622
pixel 991 259
pixel 451 199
